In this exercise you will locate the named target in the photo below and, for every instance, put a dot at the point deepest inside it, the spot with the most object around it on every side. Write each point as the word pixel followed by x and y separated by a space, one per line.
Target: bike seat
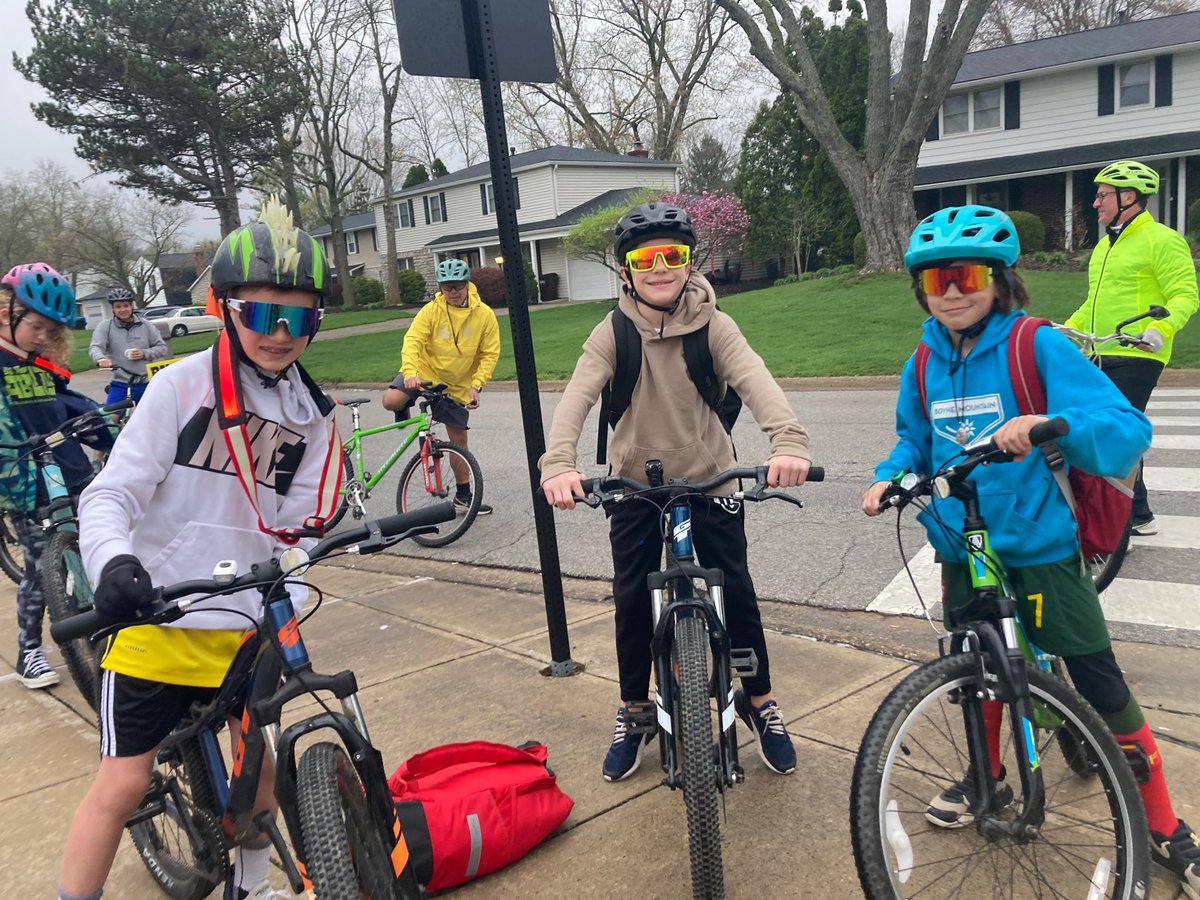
pixel 353 403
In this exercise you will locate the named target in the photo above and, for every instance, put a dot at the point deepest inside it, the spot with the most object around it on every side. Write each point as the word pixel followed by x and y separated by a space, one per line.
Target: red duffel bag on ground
pixel 472 808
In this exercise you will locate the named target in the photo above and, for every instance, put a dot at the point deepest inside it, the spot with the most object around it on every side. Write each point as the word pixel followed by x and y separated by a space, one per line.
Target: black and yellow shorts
pixel 1058 607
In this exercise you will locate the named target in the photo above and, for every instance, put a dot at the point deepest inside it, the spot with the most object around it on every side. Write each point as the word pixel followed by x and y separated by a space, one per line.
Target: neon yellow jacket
pixel 1149 263
pixel 455 346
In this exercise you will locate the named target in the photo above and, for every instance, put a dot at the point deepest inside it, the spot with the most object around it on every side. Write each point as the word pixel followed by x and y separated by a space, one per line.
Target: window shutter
pixel 932 133
pixel 412 217
pixel 516 193
pixel 425 200
pixel 483 197
pixel 1012 105
pixel 445 217
pixel 1105 82
pixel 1162 80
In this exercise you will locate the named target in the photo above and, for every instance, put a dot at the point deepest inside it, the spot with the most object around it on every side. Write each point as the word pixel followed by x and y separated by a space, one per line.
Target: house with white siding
pixel 1028 126
pixel 455 215
pixel 362 244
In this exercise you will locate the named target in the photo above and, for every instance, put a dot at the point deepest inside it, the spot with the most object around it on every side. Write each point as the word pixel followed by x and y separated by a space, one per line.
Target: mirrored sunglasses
pixel 264 318
pixel 674 256
pixel 969 278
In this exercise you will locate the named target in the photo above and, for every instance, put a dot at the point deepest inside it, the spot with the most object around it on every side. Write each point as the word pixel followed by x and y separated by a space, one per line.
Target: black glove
pixel 124 592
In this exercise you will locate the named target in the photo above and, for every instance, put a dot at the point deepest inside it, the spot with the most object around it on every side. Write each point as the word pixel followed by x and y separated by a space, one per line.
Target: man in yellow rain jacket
pixel 454 340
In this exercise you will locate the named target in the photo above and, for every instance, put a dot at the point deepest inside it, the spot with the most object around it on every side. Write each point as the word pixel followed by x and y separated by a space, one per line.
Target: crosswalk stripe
pixel 1162 478
pixel 898 597
pixel 1152 603
pixel 1177 392
pixel 1174 422
pixel 1174 532
pixel 1158 405
pixel 1176 442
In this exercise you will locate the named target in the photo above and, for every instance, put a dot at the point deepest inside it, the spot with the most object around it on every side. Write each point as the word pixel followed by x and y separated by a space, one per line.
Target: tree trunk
pixel 390 278
pixel 884 206
pixel 341 260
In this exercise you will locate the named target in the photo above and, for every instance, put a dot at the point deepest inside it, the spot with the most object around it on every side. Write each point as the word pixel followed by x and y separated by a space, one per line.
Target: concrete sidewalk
pixel 446 652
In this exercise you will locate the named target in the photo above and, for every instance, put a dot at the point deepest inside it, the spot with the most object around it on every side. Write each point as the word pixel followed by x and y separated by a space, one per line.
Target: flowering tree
pixel 720 221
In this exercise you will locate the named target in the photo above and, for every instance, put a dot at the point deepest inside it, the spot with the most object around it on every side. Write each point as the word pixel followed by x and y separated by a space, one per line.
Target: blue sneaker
pixel 625 752
pixel 770 732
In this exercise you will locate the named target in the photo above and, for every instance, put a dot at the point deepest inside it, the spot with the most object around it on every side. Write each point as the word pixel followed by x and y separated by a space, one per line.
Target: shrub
pixel 489 281
pixel 368 293
pixel 786 279
pixel 531 284
pixel 412 287
pixel 846 269
pixel 1030 231
pixel 1049 257
pixel 1193 219
pixel 860 250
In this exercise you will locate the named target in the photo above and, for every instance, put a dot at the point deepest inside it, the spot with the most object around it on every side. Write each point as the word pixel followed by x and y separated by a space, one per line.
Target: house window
pixel 487 196
pixel 437 208
pixel 976 111
pixel 1133 82
pixel 374 240
pixel 404 262
pixel 404 214
pixel 351 242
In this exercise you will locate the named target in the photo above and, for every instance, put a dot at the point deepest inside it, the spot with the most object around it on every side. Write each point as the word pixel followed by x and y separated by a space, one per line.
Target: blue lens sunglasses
pixel 264 318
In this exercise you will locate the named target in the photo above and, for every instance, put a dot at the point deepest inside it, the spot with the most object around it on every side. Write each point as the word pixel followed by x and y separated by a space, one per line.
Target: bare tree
pixel 900 105
pixel 1010 21
pixel 37 209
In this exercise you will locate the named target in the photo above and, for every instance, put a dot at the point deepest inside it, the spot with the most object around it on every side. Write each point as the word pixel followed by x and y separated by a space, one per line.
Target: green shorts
pixel 1058 607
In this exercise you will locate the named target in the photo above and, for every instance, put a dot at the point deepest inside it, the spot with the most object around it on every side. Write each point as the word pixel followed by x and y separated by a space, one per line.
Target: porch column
pixel 1182 205
pixel 1069 212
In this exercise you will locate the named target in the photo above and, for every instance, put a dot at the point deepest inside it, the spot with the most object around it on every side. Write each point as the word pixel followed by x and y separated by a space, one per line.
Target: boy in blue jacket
pixel 961 260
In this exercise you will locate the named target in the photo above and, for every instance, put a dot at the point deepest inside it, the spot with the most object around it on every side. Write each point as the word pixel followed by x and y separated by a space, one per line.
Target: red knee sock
pixel 1159 813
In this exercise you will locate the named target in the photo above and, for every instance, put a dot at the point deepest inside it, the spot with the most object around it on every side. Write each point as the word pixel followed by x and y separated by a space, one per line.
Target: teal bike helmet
pixel 963 232
pixel 453 270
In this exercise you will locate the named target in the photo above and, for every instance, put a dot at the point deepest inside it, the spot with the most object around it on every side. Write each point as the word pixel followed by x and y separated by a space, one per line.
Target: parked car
pixel 176 321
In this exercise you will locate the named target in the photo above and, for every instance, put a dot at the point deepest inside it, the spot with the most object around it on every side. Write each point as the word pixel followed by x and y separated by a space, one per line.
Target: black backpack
pixel 615 397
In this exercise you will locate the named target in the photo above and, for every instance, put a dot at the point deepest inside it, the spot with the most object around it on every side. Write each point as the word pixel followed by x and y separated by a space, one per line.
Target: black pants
pixel 1136 379
pixel 719 536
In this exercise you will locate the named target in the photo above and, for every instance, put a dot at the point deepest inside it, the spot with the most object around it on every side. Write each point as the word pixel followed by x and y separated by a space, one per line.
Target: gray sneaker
pixel 33 671
pixel 955 806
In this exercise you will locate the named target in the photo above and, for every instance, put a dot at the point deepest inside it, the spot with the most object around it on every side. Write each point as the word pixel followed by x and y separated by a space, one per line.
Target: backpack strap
pixel 697 355
pixel 1022 366
pixel 617 394
pixel 920 363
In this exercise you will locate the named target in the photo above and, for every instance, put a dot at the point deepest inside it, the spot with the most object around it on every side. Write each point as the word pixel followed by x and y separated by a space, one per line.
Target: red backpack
pixel 470 809
pixel 1102 505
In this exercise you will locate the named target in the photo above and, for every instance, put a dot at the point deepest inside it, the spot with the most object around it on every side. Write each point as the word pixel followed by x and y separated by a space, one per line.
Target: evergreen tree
pixel 418 174
pixel 708 166
pixel 437 168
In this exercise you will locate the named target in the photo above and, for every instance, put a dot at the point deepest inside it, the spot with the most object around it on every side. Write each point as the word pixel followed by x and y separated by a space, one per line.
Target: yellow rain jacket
pixel 458 346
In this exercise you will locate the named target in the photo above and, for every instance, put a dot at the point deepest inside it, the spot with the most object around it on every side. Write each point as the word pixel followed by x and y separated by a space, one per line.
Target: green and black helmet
pixel 270 253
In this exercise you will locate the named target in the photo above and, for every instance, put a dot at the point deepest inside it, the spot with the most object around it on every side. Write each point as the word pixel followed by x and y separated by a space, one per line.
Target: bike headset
pixel 1127 175
pixel 651 220
pixel 965 232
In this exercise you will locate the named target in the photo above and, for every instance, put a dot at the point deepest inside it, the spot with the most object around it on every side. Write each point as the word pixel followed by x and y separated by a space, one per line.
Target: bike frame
pixel 420 424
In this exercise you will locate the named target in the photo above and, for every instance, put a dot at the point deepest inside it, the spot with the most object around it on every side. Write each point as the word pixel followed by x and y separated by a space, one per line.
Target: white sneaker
pixel 264 891
pixel 1144 528
pixel 33 671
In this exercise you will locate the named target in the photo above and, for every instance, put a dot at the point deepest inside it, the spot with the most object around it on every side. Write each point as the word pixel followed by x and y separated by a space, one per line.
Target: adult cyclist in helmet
pixel 232 455
pixel 667 419
pixel 37 306
pixel 125 343
pixel 454 340
pixel 961 260
pixel 1137 263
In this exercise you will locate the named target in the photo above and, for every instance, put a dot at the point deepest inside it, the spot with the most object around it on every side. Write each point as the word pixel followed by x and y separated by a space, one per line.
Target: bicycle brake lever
pixel 590 500
pixel 780 495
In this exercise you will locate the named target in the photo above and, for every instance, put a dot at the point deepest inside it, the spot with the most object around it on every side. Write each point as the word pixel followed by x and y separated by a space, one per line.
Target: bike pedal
pixel 744 662
pixel 1138 761
pixel 641 717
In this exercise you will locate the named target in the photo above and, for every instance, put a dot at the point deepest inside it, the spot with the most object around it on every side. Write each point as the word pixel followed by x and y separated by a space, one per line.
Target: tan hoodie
pixel 667 419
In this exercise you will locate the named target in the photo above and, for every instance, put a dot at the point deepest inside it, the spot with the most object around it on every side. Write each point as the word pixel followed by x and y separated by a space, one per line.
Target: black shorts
pixel 137 715
pixel 443 409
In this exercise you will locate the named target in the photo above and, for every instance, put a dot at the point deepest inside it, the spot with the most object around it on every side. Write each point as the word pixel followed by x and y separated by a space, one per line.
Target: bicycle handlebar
pixel 171 604
pixel 613 487
pixel 1091 340
pixel 72 428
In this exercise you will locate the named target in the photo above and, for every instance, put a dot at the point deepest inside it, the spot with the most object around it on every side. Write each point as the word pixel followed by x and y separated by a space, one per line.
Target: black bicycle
pixel 689 633
pixel 346 842
pixel 65 585
pixel 930 813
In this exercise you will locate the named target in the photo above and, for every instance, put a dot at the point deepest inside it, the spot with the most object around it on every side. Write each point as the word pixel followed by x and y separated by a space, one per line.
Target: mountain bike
pixel 427 478
pixel 1105 566
pixel 335 799
pixel 1076 828
pixel 65 585
pixel 689 633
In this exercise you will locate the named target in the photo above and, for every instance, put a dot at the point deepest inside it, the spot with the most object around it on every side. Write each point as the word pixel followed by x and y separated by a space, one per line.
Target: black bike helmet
pixel 653 219
pixel 270 253
pixel 117 294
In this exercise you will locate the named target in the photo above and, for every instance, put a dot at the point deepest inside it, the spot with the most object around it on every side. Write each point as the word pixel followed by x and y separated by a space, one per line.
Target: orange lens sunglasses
pixel 674 256
pixel 969 278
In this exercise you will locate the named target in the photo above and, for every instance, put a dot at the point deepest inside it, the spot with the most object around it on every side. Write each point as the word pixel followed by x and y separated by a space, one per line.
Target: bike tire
pixel 183 868
pixel 915 747
pixel 12 557
pixel 699 774
pixel 348 479
pixel 1104 568
pixel 411 494
pixel 67 593
pixel 346 857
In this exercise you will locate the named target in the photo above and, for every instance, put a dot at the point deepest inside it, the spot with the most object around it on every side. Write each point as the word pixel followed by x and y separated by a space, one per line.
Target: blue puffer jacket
pixel 1028 518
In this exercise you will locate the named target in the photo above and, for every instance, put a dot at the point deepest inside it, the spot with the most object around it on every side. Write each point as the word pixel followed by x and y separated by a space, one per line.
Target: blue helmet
pixel 43 290
pixel 963 232
pixel 453 270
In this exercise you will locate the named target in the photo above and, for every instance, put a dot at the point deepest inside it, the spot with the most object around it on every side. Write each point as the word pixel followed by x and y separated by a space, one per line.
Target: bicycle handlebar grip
pixel 815 473
pixel 1043 432
pixel 430 515
pixel 82 625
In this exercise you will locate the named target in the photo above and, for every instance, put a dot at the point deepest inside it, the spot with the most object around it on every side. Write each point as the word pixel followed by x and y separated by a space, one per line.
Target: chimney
pixel 638 149
pixel 1122 16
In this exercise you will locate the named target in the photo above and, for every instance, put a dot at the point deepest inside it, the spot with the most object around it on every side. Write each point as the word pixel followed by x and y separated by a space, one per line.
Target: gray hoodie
pixel 111 339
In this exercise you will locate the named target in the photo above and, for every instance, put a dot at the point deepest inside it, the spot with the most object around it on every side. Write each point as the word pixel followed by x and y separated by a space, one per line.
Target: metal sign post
pixel 494 41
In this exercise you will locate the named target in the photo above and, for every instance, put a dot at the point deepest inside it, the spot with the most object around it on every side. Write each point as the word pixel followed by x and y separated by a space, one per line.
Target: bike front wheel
pixel 12 558
pixel 699 772
pixel 1092 842
pixel 429 479
pixel 345 855
pixel 176 831
pixel 68 593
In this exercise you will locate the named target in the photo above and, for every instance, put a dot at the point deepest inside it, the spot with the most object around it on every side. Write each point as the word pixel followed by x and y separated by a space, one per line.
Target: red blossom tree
pixel 720 221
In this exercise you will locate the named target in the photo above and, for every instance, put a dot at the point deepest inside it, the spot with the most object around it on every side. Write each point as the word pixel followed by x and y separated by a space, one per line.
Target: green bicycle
pixel 430 477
